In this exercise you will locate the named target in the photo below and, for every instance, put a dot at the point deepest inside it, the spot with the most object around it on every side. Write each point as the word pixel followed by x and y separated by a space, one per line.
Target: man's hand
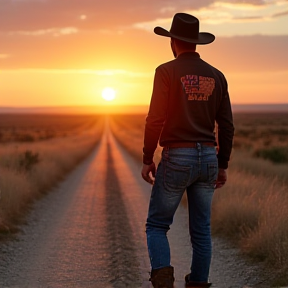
pixel 147 171
pixel 221 179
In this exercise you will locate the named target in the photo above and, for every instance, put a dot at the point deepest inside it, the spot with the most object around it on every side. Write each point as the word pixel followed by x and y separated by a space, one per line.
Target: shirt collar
pixel 189 55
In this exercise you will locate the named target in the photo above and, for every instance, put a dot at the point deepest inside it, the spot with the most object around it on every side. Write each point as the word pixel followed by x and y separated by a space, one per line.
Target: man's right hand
pixel 147 172
pixel 221 179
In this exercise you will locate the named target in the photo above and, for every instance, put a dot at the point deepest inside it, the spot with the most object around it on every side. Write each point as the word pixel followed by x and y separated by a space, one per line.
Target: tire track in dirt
pixel 135 193
pixel 123 262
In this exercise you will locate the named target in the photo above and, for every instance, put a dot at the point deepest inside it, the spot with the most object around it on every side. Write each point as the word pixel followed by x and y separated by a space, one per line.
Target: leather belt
pixel 190 145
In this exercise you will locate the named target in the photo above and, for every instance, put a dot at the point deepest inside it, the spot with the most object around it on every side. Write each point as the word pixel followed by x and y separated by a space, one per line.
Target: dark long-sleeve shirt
pixel 189 95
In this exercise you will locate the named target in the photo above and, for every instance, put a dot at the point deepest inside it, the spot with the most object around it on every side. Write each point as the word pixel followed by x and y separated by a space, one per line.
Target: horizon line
pixel 129 108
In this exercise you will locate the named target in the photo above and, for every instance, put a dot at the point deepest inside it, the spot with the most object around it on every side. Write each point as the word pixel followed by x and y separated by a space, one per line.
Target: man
pixel 189 95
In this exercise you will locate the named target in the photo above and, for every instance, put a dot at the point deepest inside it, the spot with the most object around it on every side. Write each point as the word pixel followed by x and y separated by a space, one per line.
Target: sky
pixel 65 52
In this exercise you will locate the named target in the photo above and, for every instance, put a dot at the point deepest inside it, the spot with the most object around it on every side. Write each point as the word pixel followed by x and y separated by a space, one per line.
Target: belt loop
pixel 166 151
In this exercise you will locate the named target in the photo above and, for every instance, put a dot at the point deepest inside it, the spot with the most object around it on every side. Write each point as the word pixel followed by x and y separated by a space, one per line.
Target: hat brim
pixel 203 37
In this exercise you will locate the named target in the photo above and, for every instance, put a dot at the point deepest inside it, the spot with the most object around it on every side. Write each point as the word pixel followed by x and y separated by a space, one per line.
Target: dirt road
pixel 89 232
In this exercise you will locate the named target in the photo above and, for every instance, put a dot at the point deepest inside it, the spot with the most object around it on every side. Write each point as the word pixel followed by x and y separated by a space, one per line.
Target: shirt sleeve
pixel 224 120
pixel 156 115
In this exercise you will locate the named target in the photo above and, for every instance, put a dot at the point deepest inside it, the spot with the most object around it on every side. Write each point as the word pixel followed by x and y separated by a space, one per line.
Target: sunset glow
pixel 67 60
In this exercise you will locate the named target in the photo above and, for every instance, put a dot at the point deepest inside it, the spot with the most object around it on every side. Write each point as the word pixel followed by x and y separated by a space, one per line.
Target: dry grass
pixel 36 127
pixel 252 208
pixel 252 211
pixel 260 131
pixel 244 162
pixel 249 207
pixel 29 169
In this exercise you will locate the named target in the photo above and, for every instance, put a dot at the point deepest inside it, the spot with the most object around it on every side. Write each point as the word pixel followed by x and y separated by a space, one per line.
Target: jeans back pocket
pixel 176 176
pixel 212 172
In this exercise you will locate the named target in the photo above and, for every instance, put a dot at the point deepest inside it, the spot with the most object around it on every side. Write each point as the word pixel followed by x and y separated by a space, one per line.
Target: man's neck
pixel 185 51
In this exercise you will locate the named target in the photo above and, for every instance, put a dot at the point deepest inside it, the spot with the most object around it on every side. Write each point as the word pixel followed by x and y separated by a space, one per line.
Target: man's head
pixel 185 29
pixel 178 47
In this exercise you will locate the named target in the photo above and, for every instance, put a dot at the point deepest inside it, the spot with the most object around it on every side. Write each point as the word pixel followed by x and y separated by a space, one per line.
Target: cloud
pixel 248 53
pixel 229 12
pixel 4 56
pixel 113 34
pixel 104 73
pixel 122 72
pixel 15 1
pixel 149 25
pixel 285 13
pixel 110 31
pixel 56 32
pixel 248 18
pixel 253 2
pixel 235 12
pixel 240 6
pixel 167 9
pixel 32 15
pixel 223 12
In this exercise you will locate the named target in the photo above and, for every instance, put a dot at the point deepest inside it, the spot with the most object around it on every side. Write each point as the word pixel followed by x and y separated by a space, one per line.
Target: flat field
pixel 36 127
pixel 252 208
pixel 36 151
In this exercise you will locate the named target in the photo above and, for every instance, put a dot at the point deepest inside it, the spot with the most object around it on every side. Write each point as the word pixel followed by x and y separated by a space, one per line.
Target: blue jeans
pixel 194 170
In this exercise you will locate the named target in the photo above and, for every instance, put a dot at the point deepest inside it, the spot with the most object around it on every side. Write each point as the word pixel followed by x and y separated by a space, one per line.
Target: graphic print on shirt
pixel 198 88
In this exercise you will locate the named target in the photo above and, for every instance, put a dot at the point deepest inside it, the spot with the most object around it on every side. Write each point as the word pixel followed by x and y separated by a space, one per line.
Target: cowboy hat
pixel 185 27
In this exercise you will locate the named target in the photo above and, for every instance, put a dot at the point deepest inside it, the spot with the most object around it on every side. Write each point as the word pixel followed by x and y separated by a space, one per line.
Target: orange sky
pixel 65 52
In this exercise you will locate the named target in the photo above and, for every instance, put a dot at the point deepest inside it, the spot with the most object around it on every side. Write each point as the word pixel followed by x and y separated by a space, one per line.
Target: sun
pixel 108 94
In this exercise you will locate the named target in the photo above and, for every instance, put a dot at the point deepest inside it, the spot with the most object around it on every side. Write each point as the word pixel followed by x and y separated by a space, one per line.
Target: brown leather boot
pixel 189 283
pixel 163 277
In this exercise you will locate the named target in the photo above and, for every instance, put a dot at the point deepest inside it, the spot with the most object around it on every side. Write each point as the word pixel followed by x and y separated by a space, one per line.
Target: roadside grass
pixel 244 162
pixel 251 210
pixel 29 169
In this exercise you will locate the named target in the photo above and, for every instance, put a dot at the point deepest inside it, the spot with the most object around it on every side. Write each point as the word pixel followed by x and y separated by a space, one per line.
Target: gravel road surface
pixel 90 232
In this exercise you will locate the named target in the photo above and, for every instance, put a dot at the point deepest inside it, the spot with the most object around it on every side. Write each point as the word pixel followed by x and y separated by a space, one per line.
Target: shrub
pixel 28 160
pixel 274 154
pixel 25 138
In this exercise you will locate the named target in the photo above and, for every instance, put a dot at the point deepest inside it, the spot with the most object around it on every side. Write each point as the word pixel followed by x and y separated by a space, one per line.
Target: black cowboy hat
pixel 185 27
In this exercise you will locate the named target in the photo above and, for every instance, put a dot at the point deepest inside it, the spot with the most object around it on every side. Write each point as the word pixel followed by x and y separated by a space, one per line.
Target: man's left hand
pixel 148 171
pixel 221 179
